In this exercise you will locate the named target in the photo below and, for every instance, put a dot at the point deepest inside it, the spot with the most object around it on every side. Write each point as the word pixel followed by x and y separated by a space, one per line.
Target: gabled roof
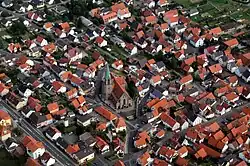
pixel 105 113
pixel 232 42
pixel 168 119
pixel 120 122
pixel 4 115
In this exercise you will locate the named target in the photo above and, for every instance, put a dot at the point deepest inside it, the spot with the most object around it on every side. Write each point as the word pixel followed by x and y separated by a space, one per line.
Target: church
pixel 114 90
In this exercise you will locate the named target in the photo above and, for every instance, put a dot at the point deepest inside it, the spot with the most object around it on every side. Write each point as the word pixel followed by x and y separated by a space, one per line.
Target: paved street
pixel 60 156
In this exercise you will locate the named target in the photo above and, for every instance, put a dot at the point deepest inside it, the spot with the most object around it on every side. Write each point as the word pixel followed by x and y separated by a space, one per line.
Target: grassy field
pixel 7 160
pixel 185 3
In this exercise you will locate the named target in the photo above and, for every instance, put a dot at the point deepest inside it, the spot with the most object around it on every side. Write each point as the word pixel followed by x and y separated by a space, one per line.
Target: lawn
pixel 242 15
pixel 206 8
pixel 119 52
pixel 7 159
pixel 188 3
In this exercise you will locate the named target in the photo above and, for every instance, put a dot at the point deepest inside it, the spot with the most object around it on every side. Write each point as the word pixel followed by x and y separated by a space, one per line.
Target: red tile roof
pixel 105 113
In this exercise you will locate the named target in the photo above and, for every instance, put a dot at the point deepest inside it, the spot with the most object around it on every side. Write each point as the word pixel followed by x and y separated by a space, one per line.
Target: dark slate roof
pixel 246 74
pixel 87 138
pixel 156 93
pixel 191 116
pixel 84 152
pixel 22 88
pixel 50 131
pixel 62 142
pixel 36 118
pixel 160 64
pixel 84 118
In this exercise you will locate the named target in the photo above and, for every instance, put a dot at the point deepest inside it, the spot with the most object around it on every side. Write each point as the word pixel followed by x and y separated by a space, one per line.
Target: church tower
pixel 107 84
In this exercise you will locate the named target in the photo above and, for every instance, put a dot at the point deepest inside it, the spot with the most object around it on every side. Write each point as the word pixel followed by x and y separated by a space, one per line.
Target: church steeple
pixel 107 73
pixel 107 85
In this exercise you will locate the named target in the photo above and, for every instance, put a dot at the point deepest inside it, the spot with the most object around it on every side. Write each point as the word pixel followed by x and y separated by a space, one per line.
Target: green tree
pixel 17 131
pixel 174 63
pixel 18 28
pixel 3 44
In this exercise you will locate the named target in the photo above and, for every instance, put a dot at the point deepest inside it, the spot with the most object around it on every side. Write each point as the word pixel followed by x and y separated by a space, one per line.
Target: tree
pixel 46 10
pixel 174 63
pixel 17 131
pixel 159 56
pixel 3 44
pixel 18 28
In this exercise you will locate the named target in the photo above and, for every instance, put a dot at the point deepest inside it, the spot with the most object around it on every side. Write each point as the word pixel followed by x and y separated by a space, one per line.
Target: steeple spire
pixel 107 73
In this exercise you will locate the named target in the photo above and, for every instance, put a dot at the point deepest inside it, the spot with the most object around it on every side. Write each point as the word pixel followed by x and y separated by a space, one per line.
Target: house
pixel 47 159
pixel 196 41
pixel 232 43
pixel 53 107
pixel 41 41
pixel 11 144
pixel 85 120
pixel 101 42
pixel 109 17
pixel 120 125
pixel 119 146
pixel 215 69
pixel 145 159
pixel 169 121
pixel 74 54
pixel 183 151
pixel 160 134
pixel 101 145
pixel 155 80
pixel 15 101
pixel 30 162
pixel 246 75
pixel 14 47
pixel 119 163
pixel 40 120
pixel 162 3
pixel 141 140
pixel 84 155
pixel 121 10
pixel 35 149
pixel 26 112
pixel 88 139
pixel 231 97
pixel 167 153
pixel 193 12
pixel 186 80
pixel 118 65
pixel 131 49
pixel 172 21
pixel 246 92
pixel 232 67
pixel 7 3
pixel 193 119
pixel 72 148
pixel 53 133
pixel 59 87
pixel 27 6
pixel 105 113
pixel 149 3
pixel 141 43
pixel 6 23
pixel 24 91
pixel 5 133
pixel 5 119
pixel 48 26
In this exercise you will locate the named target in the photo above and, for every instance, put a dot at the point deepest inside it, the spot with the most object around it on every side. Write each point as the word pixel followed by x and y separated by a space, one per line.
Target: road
pixel 60 156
